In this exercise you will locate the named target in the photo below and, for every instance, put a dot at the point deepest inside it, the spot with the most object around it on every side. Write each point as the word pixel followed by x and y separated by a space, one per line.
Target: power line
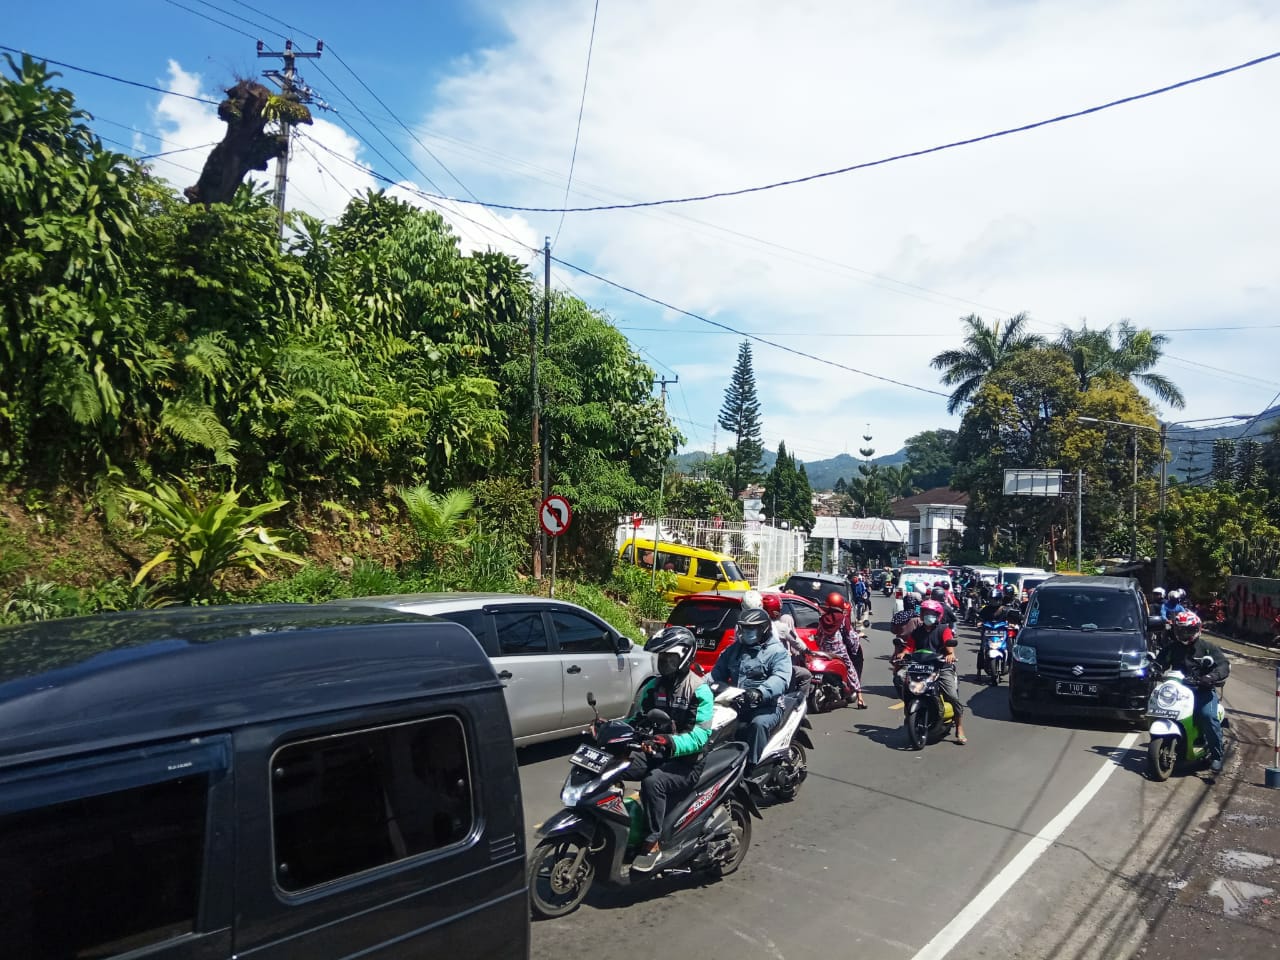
pixel 582 102
pixel 267 16
pixel 221 23
pixel 741 191
pixel 108 76
pixel 743 333
pixel 1249 426
pixel 169 153
pixel 253 23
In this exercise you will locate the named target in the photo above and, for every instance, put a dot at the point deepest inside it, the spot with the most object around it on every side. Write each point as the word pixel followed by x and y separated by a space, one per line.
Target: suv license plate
pixel 1067 688
pixel 589 758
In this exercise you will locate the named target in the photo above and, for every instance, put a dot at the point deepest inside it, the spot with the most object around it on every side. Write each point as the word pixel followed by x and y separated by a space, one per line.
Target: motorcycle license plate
pixel 1163 713
pixel 995 638
pixel 1069 688
pixel 589 758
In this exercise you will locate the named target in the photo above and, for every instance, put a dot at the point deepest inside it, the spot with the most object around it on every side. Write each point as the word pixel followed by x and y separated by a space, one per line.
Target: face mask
pixel 668 664
pixel 930 619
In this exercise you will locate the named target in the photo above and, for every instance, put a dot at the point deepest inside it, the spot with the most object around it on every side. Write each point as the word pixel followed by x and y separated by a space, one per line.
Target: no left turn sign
pixel 555 515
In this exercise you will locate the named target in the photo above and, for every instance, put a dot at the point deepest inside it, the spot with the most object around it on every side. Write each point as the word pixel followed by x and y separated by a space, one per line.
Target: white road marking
pixel 979 905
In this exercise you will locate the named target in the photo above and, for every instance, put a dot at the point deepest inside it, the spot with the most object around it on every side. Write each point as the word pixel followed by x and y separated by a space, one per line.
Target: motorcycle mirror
pixel 591 699
pixel 1206 662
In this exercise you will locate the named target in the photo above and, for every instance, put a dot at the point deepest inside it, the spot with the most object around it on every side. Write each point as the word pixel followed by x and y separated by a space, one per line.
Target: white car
pixel 549 654
pixel 919 579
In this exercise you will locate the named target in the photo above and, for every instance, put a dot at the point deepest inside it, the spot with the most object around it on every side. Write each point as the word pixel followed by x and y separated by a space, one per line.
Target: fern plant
pixel 439 519
pixel 206 539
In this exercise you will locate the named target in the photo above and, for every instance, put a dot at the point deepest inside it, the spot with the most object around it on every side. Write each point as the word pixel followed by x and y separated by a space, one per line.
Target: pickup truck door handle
pixel 504 675
pixel 574 669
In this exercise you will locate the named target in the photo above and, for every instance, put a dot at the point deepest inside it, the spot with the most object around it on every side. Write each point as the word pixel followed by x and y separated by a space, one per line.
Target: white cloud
pixel 1158 211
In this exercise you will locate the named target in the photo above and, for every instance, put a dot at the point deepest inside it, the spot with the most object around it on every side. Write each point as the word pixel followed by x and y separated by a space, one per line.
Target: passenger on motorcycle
pixel 671 762
pixel 903 625
pixel 760 665
pixel 1172 605
pixel 950 596
pixel 933 634
pixel 861 596
pixel 784 631
pixel 1184 653
pixel 836 636
pixel 939 596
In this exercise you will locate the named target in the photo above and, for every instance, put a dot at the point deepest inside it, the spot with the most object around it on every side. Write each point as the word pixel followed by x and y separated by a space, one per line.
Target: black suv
pixel 818 586
pixel 1082 650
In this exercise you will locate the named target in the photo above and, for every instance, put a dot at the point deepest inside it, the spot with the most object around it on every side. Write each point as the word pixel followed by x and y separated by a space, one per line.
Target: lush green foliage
pixel 786 492
pixel 985 348
pixel 740 416
pixel 207 539
pixel 931 458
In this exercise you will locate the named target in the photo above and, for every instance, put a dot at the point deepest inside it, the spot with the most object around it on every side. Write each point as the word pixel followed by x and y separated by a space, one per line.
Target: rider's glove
pixel 660 745
pixel 1205 682
pixel 753 697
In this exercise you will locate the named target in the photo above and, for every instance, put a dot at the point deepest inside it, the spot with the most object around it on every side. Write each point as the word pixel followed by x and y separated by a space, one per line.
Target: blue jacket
pixel 1168 610
pixel 767 667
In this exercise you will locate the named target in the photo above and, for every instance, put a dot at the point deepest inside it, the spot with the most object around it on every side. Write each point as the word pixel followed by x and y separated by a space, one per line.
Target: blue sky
pixel 1162 212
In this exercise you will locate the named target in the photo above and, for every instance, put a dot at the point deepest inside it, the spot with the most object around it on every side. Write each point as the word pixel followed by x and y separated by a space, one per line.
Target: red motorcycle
pixel 831 687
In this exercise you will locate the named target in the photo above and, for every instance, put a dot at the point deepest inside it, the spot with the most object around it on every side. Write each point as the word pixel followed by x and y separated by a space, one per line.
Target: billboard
pixel 1033 483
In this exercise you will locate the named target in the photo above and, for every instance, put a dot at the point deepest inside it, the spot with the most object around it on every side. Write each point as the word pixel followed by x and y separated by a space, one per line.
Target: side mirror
pixel 591 699
pixel 622 644
pixel 1155 623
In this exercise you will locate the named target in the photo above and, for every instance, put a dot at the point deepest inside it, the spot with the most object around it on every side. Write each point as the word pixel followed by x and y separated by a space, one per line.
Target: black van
pixel 268 782
pixel 1082 650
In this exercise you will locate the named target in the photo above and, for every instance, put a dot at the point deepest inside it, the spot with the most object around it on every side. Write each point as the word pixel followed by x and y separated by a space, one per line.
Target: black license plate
pixel 707 643
pixel 1069 688
pixel 589 758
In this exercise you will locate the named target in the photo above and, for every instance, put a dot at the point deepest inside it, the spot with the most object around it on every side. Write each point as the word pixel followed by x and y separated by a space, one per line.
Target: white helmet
pixel 1159 592
pixel 752 600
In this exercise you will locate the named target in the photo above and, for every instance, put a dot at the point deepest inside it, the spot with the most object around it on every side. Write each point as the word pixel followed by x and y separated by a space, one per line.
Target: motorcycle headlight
pixel 1167 696
pixel 1024 654
pixel 917 686
pixel 572 792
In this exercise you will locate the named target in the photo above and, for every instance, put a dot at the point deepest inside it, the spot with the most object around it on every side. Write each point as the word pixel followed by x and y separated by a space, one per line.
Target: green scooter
pixel 1176 737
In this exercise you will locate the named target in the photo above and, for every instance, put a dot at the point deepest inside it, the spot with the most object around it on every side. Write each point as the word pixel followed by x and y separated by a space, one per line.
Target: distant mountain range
pixel 1192 450
pixel 823 474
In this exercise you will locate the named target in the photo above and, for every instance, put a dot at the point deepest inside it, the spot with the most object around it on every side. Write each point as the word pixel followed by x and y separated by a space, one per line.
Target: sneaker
pixel 646 861
pixel 1216 766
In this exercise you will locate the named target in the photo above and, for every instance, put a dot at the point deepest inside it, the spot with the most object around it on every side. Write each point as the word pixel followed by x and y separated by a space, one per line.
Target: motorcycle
pixel 831 687
pixel 783 765
pixel 1176 736
pixel 997 640
pixel 600 830
pixel 887 589
pixel 926 714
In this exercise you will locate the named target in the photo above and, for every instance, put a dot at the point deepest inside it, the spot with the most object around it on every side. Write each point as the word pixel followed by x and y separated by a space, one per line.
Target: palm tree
pixel 985 348
pixel 1132 356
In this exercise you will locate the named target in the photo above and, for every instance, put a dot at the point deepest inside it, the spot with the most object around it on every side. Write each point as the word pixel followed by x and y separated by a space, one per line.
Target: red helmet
pixel 772 604
pixel 1186 626
pixel 835 601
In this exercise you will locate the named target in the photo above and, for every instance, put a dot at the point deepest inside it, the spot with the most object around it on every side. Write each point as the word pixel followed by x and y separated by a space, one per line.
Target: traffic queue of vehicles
pixel 323 780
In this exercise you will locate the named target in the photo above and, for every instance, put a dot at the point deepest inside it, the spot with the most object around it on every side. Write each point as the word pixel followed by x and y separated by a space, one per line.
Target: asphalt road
pixel 886 849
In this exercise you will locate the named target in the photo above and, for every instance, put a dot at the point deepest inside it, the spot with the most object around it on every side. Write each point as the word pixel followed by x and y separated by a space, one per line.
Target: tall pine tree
pixel 787 495
pixel 740 416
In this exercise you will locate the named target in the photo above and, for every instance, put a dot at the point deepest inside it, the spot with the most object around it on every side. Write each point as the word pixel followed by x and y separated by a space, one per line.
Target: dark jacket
pixel 1179 656
pixel 937 638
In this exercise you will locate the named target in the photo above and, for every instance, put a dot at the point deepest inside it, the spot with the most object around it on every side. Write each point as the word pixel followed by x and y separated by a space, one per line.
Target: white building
pixel 936 521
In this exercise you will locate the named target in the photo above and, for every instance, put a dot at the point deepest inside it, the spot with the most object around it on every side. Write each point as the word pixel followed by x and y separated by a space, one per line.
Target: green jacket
pixel 690 705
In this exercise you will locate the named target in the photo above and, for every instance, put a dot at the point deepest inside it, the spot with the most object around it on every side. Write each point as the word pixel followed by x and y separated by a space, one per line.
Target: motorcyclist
pixel 939 596
pixel 760 665
pixel 1172 605
pixel 1003 607
pixel 933 634
pixel 672 760
pixel 784 631
pixel 861 597
pixel 1185 652
pixel 902 626
pixel 951 598
pixel 836 637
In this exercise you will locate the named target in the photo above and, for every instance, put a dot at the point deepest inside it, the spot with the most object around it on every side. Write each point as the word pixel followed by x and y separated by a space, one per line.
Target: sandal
pixel 962 740
pixel 860 705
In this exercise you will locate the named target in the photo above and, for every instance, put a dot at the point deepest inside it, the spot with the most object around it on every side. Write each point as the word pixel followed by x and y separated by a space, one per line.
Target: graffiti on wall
pixel 1253 606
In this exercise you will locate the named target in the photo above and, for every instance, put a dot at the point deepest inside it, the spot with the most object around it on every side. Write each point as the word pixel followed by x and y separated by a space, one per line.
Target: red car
pixel 712 618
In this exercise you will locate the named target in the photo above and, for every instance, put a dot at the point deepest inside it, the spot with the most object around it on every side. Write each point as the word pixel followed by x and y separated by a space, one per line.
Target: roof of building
pixel 905 509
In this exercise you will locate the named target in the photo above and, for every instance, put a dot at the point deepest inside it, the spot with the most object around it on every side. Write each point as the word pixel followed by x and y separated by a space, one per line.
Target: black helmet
pixel 910 600
pixel 754 627
pixel 675 648
pixel 937 593
pixel 1010 591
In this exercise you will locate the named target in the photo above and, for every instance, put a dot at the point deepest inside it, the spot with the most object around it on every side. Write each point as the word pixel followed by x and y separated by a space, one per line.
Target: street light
pixel 1163 431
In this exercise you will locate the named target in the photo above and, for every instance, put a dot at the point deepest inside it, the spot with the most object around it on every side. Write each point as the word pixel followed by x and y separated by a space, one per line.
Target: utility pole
pixel 540 545
pixel 662 480
pixel 1133 543
pixel 1079 521
pixel 546 344
pixel 1164 439
pixel 290 92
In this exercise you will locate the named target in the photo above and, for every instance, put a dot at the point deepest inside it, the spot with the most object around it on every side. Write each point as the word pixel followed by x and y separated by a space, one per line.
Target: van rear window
pixel 344 804
pixel 103 875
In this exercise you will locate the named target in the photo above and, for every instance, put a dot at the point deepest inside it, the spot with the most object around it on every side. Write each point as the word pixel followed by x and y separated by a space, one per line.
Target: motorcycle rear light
pixel 898 594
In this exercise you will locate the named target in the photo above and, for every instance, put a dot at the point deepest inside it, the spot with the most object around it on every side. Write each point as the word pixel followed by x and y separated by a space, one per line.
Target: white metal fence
pixel 764 554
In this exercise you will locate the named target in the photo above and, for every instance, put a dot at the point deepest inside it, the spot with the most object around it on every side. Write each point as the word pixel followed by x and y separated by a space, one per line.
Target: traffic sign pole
pixel 1273 771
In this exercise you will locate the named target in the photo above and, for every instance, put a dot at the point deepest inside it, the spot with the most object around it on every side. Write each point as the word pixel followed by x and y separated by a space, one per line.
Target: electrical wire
pixel 745 334
pixel 205 16
pixel 267 16
pixel 108 76
pixel 253 23
pixel 169 153
pixel 742 191
pixel 1249 426
pixel 582 102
